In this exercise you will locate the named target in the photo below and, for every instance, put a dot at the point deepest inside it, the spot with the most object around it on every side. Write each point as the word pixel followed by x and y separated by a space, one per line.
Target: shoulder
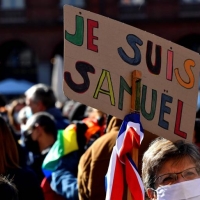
pixel 104 143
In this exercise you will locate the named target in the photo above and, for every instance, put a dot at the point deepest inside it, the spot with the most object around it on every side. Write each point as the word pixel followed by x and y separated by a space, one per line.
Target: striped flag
pixel 130 135
pixel 75 137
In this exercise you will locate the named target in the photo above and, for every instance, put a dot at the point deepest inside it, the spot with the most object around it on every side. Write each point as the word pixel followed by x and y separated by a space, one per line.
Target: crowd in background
pixel 52 150
pixel 35 127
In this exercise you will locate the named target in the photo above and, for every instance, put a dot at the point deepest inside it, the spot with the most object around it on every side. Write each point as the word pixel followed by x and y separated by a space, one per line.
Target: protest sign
pixel 100 55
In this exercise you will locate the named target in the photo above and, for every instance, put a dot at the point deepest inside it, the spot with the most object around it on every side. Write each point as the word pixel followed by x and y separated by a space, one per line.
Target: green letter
pixel 76 38
pixel 148 116
pixel 123 86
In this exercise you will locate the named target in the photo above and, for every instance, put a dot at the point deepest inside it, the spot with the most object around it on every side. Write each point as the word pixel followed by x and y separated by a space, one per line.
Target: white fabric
pixel 180 191
pixel 57 79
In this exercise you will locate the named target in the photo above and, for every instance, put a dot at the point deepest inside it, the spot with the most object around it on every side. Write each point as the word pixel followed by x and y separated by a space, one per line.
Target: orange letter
pixel 187 65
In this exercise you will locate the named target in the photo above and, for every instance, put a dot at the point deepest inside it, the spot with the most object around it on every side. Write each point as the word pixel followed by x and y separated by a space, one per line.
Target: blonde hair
pixel 9 157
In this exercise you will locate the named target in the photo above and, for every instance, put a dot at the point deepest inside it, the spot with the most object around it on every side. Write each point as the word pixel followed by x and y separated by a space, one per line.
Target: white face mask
pixel 180 191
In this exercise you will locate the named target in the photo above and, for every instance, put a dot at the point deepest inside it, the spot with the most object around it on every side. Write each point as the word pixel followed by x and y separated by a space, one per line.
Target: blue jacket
pixel 61 122
pixel 64 178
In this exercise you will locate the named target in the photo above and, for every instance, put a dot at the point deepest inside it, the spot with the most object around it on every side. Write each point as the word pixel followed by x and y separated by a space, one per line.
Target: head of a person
pixel 40 132
pixel 8 149
pixel 8 190
pixel 73 110
pixel 13 111
pixel 96 114
pixel 168 163
pixel 40 97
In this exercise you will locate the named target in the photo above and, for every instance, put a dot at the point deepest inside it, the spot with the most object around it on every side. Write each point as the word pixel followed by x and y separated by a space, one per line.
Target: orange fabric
pixel 93 128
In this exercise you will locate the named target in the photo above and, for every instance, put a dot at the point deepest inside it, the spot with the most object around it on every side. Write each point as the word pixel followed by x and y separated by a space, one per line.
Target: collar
pixel 45 151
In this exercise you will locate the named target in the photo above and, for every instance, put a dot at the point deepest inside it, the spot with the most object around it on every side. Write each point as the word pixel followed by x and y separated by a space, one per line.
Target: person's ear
pixel 41 106
pixel 151 194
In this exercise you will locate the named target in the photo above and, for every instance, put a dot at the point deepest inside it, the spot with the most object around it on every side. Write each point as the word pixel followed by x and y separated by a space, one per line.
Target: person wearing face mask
pixel 40 134
pixel 171 170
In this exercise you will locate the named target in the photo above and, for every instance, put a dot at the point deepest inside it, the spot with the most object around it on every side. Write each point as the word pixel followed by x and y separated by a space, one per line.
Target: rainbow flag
pixel 75 137
pixel 130 134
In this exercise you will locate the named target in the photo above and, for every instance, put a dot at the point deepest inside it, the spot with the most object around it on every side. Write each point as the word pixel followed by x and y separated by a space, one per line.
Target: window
pixel 12 4
pixel 17 60
pixel 132 2
pixel 190 1
pixel 77 3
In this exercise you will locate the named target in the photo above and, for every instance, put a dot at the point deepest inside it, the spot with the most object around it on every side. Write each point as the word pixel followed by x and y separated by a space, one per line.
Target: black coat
pixel 26 183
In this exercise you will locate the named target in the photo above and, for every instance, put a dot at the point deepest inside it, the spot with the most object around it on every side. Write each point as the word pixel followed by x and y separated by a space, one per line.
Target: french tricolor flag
pixel 130 135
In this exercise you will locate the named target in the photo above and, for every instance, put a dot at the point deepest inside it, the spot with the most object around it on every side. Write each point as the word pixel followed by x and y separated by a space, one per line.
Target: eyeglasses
pixel 171 178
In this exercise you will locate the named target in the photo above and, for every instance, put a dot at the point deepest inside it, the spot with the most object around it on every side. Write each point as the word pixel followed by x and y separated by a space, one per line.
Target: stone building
pixel 32 31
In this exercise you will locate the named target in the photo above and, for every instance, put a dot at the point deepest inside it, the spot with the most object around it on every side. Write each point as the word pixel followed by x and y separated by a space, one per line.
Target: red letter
pixel 90 37
pixel 170 55
pixel 177 130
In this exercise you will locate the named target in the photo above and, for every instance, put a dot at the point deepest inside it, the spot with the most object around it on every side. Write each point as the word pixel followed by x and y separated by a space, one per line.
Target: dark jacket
pixel 36 166
pixel 61 122
pixel 26 183
pixel 94 163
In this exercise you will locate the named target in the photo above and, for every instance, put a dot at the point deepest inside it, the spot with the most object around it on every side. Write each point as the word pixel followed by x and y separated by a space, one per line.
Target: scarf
pixel 77 136
pixel 130 135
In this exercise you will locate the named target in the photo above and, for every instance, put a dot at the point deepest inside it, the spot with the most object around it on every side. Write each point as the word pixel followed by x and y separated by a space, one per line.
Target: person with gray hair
pixel 40 97
pixel 171 170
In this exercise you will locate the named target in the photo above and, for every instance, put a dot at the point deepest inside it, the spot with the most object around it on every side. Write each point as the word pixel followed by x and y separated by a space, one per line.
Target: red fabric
pixel 49 194
pixel 130 135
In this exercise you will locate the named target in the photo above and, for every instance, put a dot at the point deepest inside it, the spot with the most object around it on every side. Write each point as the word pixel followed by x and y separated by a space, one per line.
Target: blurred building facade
pixel 32 31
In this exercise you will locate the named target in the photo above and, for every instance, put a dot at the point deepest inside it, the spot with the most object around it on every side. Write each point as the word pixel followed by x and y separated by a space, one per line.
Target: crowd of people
pixel 52 151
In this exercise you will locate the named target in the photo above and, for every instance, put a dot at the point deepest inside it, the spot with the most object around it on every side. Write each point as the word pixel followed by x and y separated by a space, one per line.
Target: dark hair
pixel 8 191
pixel 8 149
pixel 45 120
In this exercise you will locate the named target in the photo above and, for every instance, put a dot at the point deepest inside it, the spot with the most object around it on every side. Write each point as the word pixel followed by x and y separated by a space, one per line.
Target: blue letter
pixel 132 40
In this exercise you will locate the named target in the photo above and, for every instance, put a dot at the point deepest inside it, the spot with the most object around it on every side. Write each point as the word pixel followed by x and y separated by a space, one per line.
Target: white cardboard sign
pixel 100 55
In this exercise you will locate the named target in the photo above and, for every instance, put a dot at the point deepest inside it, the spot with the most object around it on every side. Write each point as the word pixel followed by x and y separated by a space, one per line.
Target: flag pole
pixel 135 107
